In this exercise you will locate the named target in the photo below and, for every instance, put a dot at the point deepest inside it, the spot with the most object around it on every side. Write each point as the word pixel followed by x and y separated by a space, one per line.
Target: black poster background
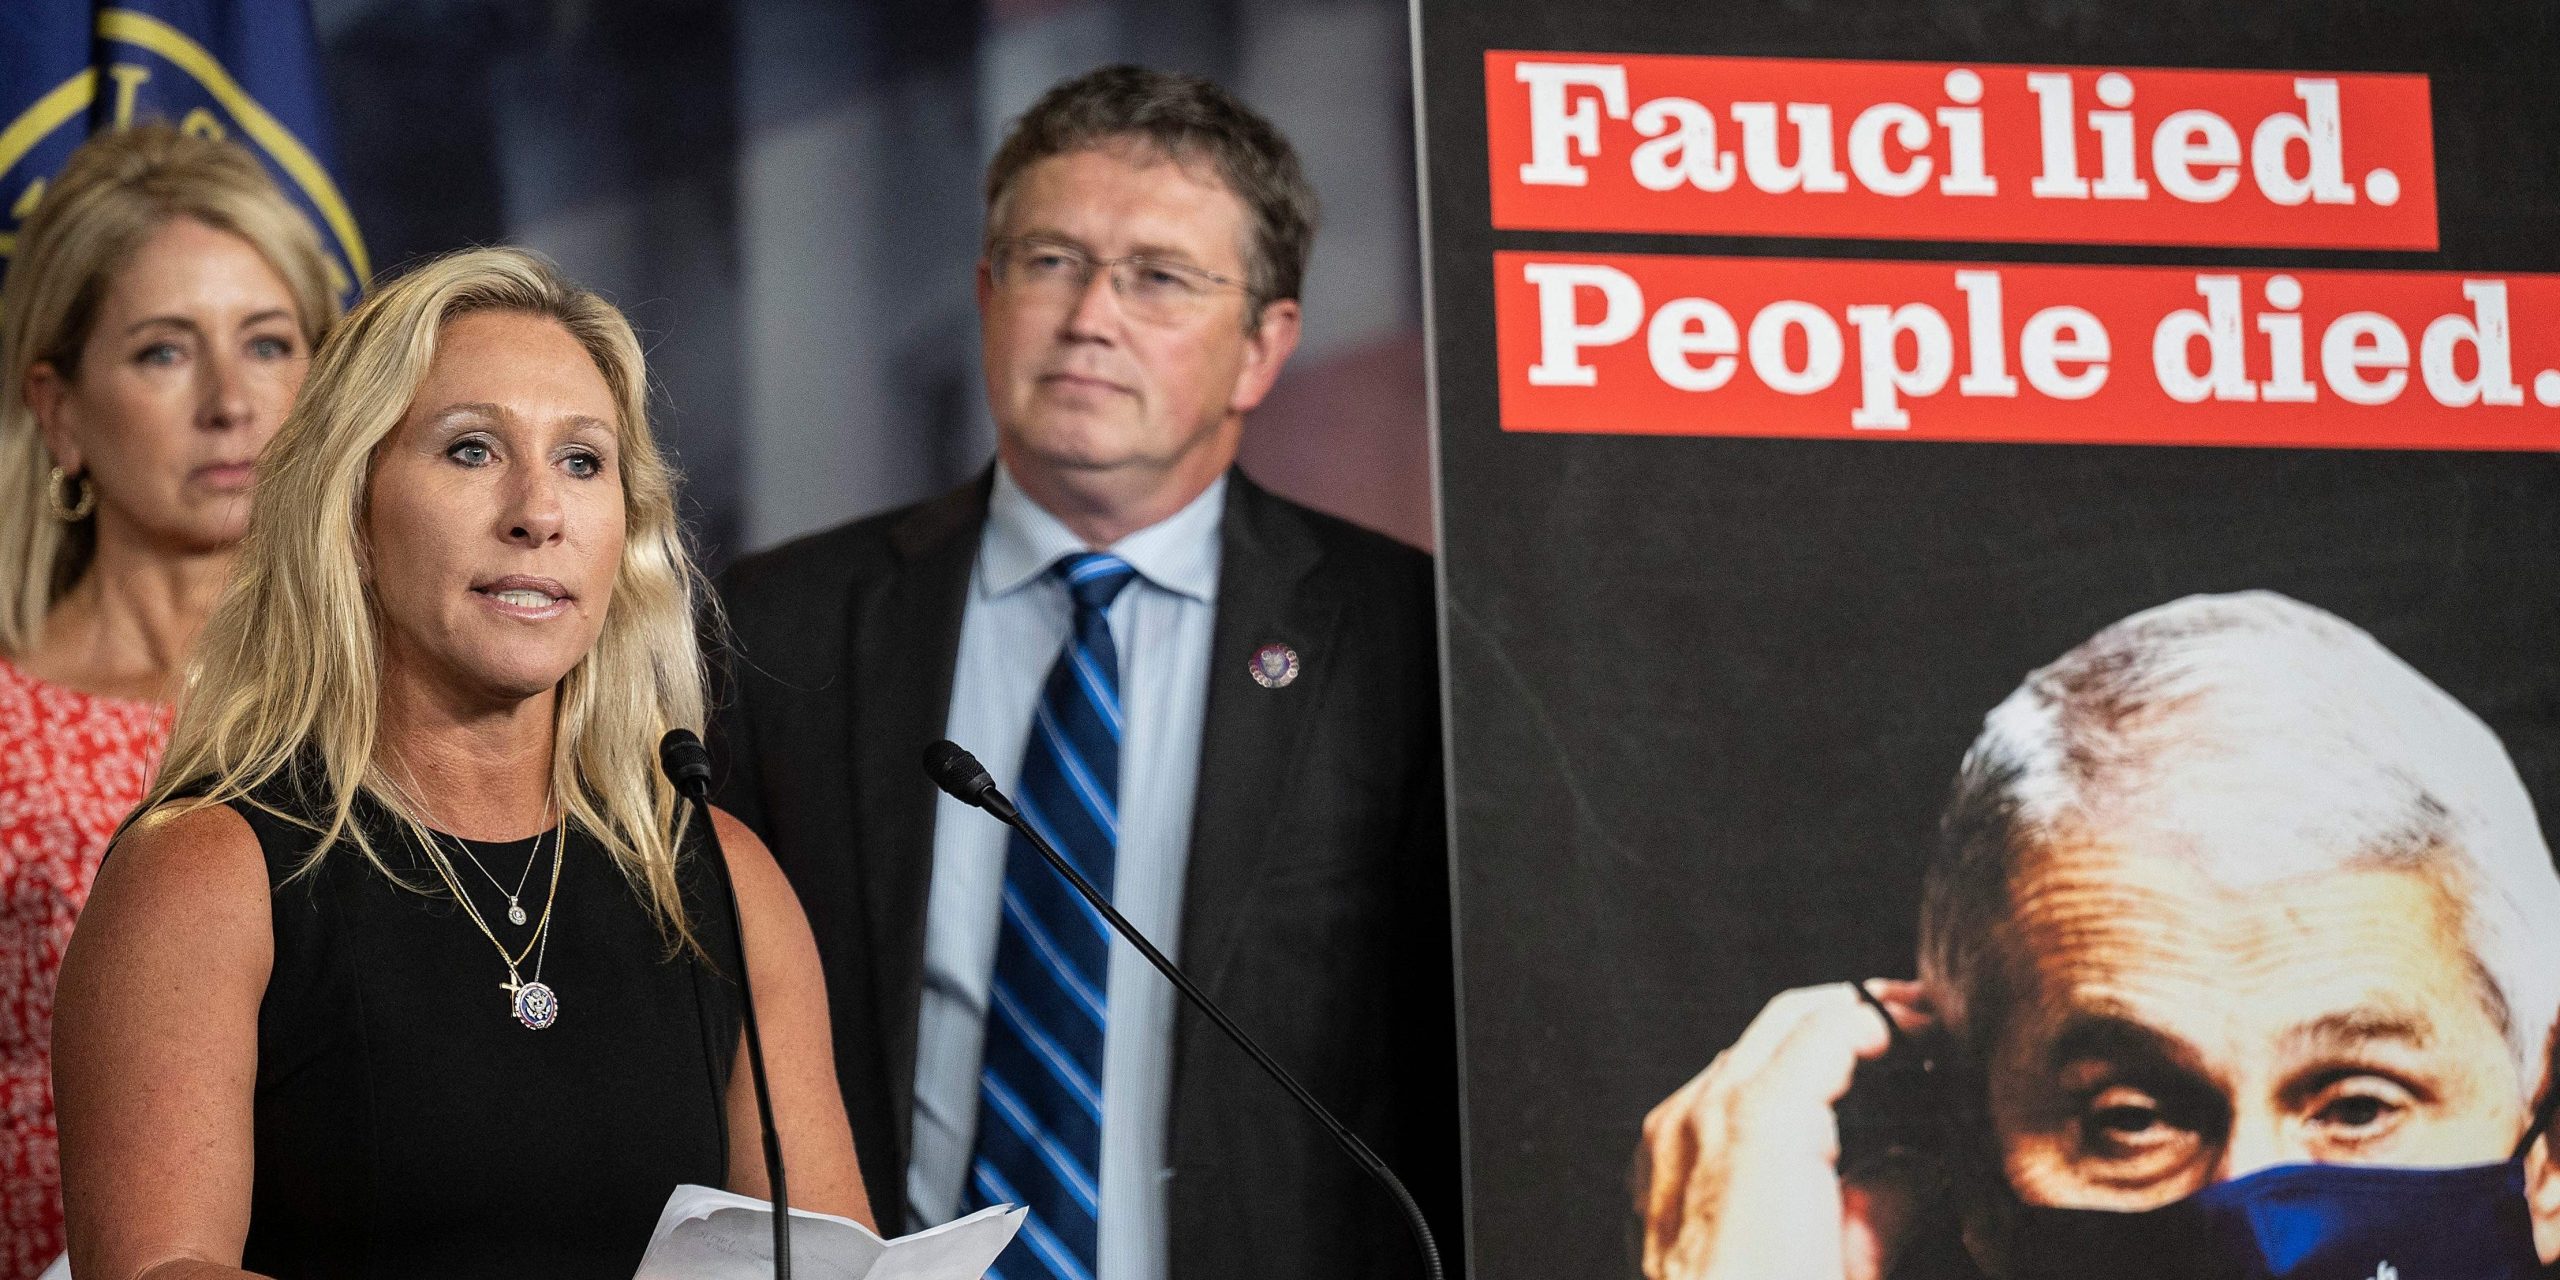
pixel 1707 695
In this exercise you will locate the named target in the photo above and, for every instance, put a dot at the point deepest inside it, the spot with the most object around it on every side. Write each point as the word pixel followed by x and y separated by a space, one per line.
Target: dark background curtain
pixel 784 195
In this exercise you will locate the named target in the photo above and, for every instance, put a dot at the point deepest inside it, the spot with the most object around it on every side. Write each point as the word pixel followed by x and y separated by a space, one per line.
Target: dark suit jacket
pixel 1316 909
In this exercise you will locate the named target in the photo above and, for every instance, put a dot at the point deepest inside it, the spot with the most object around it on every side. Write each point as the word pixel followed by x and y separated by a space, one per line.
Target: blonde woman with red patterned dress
pixel 155 323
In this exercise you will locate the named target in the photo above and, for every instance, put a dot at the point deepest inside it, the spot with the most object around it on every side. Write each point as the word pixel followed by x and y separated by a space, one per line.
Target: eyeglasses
pixel 1047 273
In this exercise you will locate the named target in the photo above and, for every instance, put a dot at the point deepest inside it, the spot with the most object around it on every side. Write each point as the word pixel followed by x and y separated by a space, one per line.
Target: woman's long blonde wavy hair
pixel 115 191
pixel 285 685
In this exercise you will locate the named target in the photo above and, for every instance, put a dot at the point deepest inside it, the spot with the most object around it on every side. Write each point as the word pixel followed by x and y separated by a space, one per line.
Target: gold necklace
pixel 515 908
pixel 534 1003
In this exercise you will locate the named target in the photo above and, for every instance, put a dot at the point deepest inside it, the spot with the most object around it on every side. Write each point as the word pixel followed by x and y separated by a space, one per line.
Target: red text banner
pixel 1971 152
pixel 1718 346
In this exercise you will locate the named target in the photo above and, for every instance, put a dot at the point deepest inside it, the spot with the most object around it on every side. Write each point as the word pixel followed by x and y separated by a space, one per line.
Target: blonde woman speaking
pixel 411 966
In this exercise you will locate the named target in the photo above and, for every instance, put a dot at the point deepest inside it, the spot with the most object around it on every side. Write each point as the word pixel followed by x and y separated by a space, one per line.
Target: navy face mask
pixel 2306 1222
pixel 2299 1222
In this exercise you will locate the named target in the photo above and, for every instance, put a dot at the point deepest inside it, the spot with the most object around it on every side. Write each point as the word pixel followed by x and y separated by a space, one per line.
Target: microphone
pixel 688 766
pixel 957 772
pixel 961 777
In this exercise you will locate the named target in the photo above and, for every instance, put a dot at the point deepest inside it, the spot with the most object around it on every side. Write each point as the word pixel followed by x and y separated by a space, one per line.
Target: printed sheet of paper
pixel 706 1234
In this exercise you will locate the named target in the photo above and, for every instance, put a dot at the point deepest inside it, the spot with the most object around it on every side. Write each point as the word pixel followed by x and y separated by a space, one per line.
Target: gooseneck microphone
pixel 688 766
pixel 961 777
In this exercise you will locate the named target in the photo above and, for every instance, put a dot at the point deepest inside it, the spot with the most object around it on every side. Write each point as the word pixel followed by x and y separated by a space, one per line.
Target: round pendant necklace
pixel 515 909
pixel 534 1003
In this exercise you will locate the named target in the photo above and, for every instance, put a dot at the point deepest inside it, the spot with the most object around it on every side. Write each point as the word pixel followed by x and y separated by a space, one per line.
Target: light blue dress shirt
pixel 1011 630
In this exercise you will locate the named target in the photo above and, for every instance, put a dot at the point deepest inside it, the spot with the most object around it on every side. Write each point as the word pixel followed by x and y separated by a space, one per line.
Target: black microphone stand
pixel 961 776
pixel 688 766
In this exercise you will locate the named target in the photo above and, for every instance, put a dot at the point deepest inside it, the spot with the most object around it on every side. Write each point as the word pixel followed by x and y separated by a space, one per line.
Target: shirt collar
pixel 1178 553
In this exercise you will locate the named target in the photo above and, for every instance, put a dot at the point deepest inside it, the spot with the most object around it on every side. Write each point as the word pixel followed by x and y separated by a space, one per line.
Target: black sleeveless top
pixel 409 1125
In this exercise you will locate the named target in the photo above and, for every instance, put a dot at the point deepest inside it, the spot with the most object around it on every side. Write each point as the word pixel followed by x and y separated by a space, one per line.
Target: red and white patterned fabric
pixel 71 766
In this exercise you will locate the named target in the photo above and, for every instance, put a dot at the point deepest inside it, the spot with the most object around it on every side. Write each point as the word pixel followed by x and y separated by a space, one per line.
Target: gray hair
pixel 2289 743
pixel 1184 118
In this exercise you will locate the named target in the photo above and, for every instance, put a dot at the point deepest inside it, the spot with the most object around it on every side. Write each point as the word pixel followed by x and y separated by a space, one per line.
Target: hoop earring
pixel 76 510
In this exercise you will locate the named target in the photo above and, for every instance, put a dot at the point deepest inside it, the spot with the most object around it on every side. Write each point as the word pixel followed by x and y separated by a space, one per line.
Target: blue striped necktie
pixel 1040 1090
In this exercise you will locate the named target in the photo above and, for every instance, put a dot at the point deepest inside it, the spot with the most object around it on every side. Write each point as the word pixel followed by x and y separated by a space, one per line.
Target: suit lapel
pixel 905 642
pixel 1253 737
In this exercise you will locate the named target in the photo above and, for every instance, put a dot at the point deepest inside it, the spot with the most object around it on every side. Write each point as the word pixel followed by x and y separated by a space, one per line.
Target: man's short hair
pixel 2287 742
pixel 1187 119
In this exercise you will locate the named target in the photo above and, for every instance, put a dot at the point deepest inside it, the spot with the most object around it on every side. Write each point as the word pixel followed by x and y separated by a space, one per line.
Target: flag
pixel 244 70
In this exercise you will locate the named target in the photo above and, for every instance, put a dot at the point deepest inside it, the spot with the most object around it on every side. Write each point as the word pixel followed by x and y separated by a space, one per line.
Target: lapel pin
pixel 1274 666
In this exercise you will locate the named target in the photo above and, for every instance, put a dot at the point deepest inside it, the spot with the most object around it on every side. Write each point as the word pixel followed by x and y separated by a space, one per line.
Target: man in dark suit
pixel 1224 705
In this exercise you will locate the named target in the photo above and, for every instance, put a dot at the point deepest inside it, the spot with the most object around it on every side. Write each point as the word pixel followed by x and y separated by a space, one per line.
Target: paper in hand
pixel 705 1234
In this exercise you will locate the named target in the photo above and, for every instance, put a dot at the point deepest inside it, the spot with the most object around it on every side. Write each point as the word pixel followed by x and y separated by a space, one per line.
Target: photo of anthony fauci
pixel 2239 957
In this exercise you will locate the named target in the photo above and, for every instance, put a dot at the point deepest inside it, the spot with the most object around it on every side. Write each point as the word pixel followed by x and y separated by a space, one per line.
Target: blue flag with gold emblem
pixel 245 70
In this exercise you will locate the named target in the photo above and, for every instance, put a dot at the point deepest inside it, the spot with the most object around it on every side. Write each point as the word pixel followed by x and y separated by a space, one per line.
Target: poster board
pixel 1766 475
